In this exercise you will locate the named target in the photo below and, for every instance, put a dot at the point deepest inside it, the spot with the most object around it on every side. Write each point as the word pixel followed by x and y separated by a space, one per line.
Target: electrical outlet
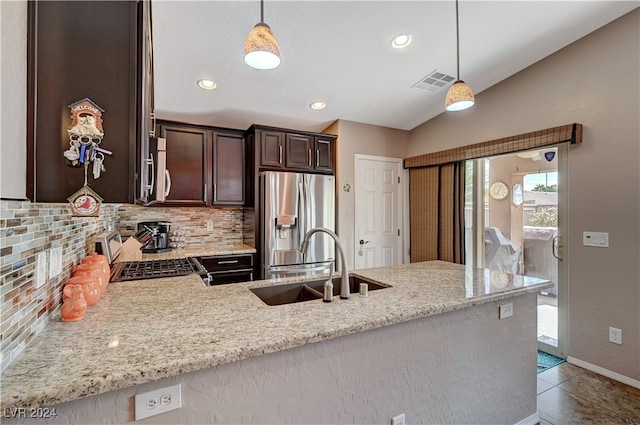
pixel 209 226
pixel 505 311
pixel 155 402
pixel 615 335
pixel 55 261
pixel 398 420
pixel 41 269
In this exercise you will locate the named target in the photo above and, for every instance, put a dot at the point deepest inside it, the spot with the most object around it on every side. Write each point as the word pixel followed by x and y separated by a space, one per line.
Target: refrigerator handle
pixel 302 209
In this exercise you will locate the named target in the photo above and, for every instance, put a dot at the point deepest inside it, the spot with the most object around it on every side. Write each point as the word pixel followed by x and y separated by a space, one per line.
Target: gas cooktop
pixel 150 269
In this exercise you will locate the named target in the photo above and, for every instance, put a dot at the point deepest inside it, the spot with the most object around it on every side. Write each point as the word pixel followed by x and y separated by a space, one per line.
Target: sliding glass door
pixel 515 216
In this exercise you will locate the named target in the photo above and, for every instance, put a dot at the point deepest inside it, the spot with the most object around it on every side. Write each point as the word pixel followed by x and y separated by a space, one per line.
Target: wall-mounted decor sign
pixel 86 119
pixel 85 136
pixel 85 202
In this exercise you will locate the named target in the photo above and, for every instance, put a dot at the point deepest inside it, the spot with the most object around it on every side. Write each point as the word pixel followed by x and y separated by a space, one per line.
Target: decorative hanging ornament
pixel 85 202
pixel 86 119
pixel 85 135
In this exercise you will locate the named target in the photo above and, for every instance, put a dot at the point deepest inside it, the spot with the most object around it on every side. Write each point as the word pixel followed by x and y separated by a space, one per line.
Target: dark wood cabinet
pixel 324 153
pixel 271 148
pixel 187 149
pixel 223 269
pixel 228 157
pixel 76 50
pixel 206 165
pixel 289 150
pixel 299 152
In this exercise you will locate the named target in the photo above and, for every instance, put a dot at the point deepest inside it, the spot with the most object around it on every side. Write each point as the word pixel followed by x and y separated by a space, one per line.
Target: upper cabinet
pixel 290 150
pixel 187 163
pixel 228 156
pixel 206 165
pixel 325 153
pixel 298 151
pixel 77 50
pixel 271 146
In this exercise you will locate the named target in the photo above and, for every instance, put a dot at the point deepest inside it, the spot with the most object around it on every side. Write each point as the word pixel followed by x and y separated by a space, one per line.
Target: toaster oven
pixel 109 244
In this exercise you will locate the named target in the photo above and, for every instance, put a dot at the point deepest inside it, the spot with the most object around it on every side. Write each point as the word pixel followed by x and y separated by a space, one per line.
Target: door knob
pixel 362 242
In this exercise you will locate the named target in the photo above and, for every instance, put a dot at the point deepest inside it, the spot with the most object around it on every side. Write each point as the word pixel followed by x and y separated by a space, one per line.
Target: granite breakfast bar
pixel 430 346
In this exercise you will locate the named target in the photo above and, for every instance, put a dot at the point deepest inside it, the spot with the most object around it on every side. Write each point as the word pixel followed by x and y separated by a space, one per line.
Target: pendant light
pixel 261 49
pixel 460 95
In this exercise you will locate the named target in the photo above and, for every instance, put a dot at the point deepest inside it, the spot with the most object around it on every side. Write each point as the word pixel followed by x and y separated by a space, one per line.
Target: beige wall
pixel 13 32
pixel 594 81
pixel 356 138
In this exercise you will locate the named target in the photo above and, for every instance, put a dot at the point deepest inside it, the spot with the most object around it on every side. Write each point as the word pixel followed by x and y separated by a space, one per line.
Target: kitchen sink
pixel 296 292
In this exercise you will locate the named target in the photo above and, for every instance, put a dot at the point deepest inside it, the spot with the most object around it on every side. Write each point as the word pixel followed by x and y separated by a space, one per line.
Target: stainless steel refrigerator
pixel 290 205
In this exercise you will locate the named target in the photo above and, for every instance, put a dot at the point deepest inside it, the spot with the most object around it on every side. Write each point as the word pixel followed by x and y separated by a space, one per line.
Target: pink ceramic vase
pixel 90 287
pixel 75 305
pixel 92 269
pixel 102 260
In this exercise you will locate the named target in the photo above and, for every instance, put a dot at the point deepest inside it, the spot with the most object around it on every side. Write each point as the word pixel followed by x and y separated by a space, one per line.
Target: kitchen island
pixel 430 346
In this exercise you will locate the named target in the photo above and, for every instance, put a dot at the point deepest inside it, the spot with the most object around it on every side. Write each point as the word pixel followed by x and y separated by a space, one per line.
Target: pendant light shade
pixel 460 95
pixel 261 49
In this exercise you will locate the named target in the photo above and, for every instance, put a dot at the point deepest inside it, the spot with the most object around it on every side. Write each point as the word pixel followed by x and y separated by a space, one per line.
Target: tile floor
pixel 568 394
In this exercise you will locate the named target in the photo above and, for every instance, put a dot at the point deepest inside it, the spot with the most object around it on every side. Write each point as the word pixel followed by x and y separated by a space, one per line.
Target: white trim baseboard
pixel 530 420
pixel 605 372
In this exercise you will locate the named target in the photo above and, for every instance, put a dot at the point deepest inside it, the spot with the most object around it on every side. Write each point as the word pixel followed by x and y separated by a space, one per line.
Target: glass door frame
pixel 477 251
pixel 562 349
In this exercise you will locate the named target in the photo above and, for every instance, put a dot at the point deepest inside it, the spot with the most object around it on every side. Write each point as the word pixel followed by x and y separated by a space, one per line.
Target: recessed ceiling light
pixel 207 84
pixel 317 105
pixel 401 41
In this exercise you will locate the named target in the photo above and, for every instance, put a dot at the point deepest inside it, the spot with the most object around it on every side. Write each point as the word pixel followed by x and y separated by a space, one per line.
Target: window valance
pixel 570 133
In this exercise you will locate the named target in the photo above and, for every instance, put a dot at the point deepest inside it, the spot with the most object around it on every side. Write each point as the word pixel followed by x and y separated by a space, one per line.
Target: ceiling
pixel 339 52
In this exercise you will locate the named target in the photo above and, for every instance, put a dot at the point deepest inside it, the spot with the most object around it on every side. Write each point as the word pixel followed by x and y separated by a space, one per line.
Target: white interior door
pixel 378 211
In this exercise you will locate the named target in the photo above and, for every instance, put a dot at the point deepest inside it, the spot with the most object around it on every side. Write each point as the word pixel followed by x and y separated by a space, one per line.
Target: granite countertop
pixel 200 251
pixel 146 330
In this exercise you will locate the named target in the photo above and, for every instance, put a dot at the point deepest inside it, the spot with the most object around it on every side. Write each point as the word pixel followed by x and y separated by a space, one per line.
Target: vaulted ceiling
pixel 340 52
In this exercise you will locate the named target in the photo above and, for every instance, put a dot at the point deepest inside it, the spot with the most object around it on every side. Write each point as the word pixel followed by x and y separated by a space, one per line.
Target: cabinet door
pixel 186 163
pixel 271 149
pixel 299 151
pixel 228 169
pixel 324 154
pixel 98 60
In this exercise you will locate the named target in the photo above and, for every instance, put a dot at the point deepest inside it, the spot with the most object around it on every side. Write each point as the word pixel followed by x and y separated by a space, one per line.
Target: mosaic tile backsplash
pixel 220 226
pixel 27 229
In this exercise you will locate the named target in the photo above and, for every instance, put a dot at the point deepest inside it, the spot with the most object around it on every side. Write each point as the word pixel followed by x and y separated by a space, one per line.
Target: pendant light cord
pixel 262 10
pixel 457 43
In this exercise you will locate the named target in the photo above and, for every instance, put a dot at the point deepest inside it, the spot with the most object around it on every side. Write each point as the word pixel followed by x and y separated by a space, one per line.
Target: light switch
pixel 41 269
pixel 598 239
pixel 55 261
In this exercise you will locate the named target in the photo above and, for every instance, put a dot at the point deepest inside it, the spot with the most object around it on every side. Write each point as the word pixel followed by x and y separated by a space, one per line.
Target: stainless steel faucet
pixel 304 247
